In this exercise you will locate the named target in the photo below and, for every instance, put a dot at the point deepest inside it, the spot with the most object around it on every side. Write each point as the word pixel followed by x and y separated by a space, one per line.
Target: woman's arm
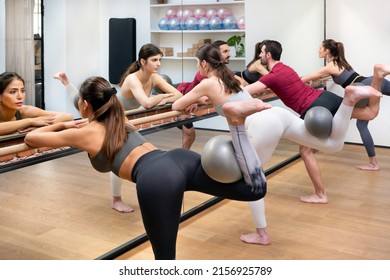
pixel 199 94
pixel 13 126
pixel 33 117
pixel 166 87
pixel 323 72
pixel 256 66
pixel 133 84
pixel 256 88
pixel 61 134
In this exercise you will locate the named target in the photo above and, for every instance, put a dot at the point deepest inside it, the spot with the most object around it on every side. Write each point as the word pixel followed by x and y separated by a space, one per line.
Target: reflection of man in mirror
pixel 37 49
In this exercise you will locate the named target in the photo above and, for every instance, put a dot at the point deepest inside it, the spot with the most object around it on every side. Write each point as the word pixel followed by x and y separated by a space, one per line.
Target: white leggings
pixel 266 128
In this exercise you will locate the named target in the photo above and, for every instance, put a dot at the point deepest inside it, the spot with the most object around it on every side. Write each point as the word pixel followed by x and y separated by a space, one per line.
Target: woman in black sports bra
pixel 161 177
pixel 14 115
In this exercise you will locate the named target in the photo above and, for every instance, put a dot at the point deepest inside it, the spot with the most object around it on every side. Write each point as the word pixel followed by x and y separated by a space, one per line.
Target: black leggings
pixel 161 179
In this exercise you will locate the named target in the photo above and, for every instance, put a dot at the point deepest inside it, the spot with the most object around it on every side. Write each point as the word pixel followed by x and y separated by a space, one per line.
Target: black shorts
pixel 187 125
pixel 327 99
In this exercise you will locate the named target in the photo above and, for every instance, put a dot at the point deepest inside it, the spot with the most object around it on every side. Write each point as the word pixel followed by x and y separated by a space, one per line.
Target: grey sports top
pixel 18 115
pixel 242 95
pixel 347 77
pixel 131 103
pixel 128 103
pixel 102 164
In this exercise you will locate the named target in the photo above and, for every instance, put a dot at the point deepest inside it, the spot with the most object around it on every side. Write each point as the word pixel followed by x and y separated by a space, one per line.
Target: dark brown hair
pixel 211 54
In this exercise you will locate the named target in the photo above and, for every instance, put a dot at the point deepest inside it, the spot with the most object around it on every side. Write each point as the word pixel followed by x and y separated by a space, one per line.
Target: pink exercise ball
pixel 199 13
pixel 179 14
pixel 241 22
pixel 223 12
pixel 211 13
pixel 187 13
pixel 171 13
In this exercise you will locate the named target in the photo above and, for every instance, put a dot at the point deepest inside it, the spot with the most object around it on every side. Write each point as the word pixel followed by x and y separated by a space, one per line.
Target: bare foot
pixel 355 93
pixel 236 112
pixel 382 70
pixel 61 76
pixel 314 198
pixel 259 237
pixel 369 167
pixel 120 206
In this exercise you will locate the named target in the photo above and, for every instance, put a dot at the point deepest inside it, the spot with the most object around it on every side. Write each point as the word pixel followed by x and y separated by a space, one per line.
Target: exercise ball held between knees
pixel 318 121
pixel 219 160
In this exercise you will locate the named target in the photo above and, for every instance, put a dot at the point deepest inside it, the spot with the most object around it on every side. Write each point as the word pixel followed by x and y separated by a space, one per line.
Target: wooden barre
pixel 155 117
pixel 14 149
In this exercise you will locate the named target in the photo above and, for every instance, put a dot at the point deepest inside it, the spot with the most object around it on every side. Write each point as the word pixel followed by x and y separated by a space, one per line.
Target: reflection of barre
pixel 155 117
pixel 14 149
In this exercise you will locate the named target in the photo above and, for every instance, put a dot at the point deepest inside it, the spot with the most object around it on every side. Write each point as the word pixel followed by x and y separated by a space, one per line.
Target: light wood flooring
pixel 61 210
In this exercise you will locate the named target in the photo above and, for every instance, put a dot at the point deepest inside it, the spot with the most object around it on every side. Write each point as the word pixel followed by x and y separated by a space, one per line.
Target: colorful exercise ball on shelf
pixel 230 22
pixel 174 24
pixel 183 24
pixel 179 14
pixel 199 13
pixel 211 13
pixel 241 22
pixel 223 12
pixel 170 13
pixel 192 23
pixel 203 23
pixel 187 13
pixel 163 24
pixel 215 23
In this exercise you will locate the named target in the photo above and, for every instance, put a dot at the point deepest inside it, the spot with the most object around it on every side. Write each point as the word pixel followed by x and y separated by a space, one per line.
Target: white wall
pixel 363 26
pixel 2 36
pixel 300 33
pixel 300 30
pixel 76 41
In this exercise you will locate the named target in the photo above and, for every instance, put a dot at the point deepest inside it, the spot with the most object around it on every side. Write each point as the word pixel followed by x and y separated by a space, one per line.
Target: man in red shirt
pixel 300 97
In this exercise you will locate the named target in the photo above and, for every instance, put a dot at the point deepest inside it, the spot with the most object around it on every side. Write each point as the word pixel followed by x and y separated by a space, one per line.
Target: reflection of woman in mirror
pixel 14 115
pixel 254 69
pixel 343 74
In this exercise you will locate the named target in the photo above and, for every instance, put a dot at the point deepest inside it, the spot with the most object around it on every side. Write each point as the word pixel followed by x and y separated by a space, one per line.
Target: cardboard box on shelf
pixel 167 51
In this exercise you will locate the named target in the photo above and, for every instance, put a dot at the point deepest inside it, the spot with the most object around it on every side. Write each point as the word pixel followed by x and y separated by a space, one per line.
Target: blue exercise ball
pixel 192 23
pixel 163 24
pixel 215 23
pixel 219 160
pixel 203 23
pixel 318 121
pixel 174 24
pixel 230 22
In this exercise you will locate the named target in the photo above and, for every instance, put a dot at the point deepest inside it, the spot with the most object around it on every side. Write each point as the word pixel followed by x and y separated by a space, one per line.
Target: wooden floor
pixel 61 210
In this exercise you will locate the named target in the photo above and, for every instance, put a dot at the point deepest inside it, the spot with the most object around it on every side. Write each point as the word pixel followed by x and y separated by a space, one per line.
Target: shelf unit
pixel 184 68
